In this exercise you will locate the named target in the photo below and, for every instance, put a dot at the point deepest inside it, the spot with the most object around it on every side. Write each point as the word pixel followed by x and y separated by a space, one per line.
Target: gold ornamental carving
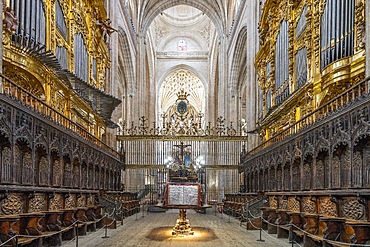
pixel 322 83
pixel 360 24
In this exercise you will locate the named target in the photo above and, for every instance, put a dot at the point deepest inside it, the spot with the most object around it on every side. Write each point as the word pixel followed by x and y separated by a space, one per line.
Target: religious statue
pixel 106 28
pixel 10 22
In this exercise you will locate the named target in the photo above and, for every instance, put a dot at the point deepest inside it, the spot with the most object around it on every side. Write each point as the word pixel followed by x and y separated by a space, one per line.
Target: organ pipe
pixel 81 58
pixel 32 20
pixel 301 24
pixel 337 23
pixel 60 20
pixel 301 67
pixel 282 60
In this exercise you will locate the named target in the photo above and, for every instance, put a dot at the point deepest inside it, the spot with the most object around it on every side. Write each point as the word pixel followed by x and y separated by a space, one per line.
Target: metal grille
pixel 155 152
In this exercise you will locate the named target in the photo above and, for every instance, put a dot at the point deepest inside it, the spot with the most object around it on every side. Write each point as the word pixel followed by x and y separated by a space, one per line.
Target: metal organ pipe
pixel 60 20
pixel 337 24
pixel 282 60
pixel 301 25
pixel 32 20
pixel 346 28
pixel 81 56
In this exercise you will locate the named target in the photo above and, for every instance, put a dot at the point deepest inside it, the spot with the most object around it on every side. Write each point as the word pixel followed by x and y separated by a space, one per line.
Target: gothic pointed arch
pixel 238 66
pixel 185 80
pixel 126 67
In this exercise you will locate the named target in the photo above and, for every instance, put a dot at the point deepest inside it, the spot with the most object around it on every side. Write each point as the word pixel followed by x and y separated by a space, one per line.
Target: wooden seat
pixel 334 228
pixel 28 241
pixel 9 226
pixel 283 220
pixel 361 231
pixel 31 223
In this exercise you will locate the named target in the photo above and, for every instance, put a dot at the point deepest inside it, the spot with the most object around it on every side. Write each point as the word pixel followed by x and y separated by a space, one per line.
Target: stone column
pixel 139 101
pixel 113 83
pixel 223 79
pixel 252 17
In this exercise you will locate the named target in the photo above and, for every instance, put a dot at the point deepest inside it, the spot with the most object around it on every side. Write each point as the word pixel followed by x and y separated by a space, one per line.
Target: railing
pixel 15 92
pixel 255 205
pixel 111 208
pixel 359 90
pixel 143 192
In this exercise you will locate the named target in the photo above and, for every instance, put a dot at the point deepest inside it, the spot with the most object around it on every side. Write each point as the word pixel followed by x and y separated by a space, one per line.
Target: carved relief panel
pixel 56 172
pixel 81 201
pixel 90 200
pixel 283 202
pixel 308 205
pixel 6 173
pixel 69 201
pixel 44 171
pixel 279 178
pixel 56 202
pixel 327 207
pixel 272 202
pixel 13 204
pixel 16 168
pixel 293 204
pixel 352 209
pixel 320 174
pixel 37 203
pixel 357 169
pixel 27 170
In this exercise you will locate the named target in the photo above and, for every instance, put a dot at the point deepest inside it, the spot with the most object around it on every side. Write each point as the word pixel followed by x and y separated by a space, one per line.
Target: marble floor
pixel 154 229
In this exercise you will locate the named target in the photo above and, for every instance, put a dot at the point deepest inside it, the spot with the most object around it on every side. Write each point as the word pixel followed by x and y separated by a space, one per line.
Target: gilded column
pixel 367 31
pixel 1 46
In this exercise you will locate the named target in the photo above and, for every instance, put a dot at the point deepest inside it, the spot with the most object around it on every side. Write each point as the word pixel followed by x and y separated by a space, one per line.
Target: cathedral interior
pixel 264 104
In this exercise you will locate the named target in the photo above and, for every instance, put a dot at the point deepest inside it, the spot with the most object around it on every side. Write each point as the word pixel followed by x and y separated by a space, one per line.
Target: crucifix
pixel 182 148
